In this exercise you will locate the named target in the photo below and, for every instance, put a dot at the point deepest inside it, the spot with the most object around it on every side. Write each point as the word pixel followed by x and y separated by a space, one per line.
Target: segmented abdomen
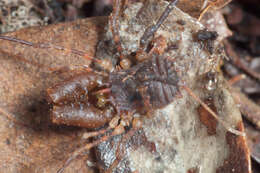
pixel 160 81
pixel 151 84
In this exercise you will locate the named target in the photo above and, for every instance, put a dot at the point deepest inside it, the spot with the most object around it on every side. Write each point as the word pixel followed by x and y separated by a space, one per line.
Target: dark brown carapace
pixel 111 100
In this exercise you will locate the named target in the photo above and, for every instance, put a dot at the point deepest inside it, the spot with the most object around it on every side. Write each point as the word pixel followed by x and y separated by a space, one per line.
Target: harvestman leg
pixel 103 63
pixel 117 130
pixel 50 46
pixel 121 149
pixel 114 18
pixel 149 32
pixel 214 5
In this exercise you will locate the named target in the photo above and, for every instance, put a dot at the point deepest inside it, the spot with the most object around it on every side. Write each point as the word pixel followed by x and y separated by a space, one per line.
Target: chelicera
pixel 110 100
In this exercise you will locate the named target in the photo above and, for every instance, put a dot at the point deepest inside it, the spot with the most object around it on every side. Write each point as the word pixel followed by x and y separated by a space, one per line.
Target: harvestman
pixel 95 99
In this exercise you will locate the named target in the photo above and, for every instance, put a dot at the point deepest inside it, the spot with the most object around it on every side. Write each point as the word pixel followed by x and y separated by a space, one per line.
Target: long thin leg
pixel 114 18
pixel 120 149
pixel 112 124
pixel 117 131
pixel 118 5
pixel 204 11
pixel 105 64
pixel 49 45
pixel 235 79
pixel 214 5
pixel 223 123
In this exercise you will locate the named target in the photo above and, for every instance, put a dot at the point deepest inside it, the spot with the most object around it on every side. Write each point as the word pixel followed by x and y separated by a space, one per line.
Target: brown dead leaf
pixel 206 118
pixel 41 147
pixel 195 7
pixel 253 140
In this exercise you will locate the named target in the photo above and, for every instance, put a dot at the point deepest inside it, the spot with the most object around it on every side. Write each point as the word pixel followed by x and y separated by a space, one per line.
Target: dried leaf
pixel 41 147
pixel 196 7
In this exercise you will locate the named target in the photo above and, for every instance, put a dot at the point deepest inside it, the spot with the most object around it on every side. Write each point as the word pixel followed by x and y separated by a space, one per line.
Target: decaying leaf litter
pixel 181 64
pixel 243 47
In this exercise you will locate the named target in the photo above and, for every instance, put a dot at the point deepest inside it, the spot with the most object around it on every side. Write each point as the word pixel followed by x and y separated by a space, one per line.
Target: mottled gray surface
pixel 182 142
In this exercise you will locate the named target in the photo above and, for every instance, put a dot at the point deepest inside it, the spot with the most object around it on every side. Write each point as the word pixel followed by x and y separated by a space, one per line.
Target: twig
pixel 236 61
